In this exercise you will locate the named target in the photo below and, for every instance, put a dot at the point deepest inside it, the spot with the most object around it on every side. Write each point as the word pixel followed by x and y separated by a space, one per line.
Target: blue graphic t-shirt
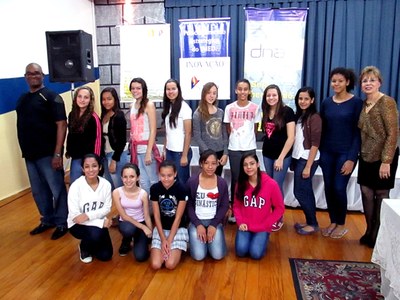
pixel 168 200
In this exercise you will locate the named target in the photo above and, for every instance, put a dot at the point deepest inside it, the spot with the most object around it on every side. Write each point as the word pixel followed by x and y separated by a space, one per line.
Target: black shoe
pixel 365 239
pixel 59 232
pixel 84 256
pixel 41 228
pixel 125 246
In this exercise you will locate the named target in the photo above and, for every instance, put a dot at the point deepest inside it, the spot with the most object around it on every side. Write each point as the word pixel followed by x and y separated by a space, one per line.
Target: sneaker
pixel 125 247
pixel 232 220
pixel 84 256
pixel 277 225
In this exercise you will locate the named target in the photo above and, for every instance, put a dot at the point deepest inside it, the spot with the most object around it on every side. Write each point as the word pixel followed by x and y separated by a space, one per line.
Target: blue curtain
pixel 352 34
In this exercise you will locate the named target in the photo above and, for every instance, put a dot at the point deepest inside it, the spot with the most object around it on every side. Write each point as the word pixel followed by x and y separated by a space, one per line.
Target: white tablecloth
pixel 353 189
pixel 387 249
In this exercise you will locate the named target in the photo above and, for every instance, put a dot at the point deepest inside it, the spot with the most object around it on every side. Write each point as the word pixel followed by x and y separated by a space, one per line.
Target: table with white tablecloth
pixel 387 249
pixel 354 202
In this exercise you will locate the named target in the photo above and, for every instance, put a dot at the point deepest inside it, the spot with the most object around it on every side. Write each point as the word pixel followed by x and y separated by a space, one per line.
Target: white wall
pixel 23 25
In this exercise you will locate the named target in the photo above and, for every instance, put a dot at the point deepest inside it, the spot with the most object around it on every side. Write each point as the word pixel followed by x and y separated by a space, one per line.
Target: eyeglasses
pixel 31 74
pixel 371 80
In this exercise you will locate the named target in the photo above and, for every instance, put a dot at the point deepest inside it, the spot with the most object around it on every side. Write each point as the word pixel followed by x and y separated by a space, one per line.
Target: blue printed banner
pixel 204 56
pixel 274 48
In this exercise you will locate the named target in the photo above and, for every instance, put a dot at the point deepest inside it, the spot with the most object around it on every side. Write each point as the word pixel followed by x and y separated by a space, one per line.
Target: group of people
pixel 162 206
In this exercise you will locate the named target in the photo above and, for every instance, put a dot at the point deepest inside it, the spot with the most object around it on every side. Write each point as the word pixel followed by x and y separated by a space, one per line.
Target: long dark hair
pixel 77 122
pixel 133 167
pixel 348 74
pixel 278 117
pixel 145 99
pixel 243 179
pixel 114 94
pixel 203 108
pixel 312 109
pixel 176 106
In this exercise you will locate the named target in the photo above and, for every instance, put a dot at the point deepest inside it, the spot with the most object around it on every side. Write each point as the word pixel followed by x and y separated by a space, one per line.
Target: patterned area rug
pixel 329 279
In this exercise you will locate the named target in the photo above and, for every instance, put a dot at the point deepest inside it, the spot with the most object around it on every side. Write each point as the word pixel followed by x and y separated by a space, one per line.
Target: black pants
pixel 94 240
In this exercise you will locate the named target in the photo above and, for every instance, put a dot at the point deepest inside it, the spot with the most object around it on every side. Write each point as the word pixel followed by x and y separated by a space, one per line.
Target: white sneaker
pixel 84 256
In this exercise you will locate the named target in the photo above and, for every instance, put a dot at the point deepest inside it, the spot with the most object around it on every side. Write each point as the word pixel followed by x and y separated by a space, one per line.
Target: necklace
pixel 372 102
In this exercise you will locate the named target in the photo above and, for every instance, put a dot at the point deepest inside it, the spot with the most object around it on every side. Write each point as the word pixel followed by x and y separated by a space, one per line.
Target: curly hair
pixel 77 121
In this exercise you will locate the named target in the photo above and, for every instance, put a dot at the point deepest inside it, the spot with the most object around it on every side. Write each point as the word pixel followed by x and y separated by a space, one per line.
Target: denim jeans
pixel 253 244
pixel 234 162
pixel 335 185
pixel 94 240
pixel 148 173
pixel 140 240
pixel 217 248
pixel 115 178
pixel 279 176
pixel 183 172
pixel 303 190
pixel 75 170
pixel 48 190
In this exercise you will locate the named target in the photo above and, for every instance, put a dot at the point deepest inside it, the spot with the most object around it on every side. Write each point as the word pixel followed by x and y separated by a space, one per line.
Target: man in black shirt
pixel 41 126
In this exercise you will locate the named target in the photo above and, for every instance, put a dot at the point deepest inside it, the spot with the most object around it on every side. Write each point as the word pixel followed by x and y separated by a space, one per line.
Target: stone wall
pixel 109 16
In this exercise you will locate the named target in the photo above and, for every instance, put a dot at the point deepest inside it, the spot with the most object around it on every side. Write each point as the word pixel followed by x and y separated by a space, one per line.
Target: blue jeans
pixel 75 170
pixel 140 240
pixel 48 191
pixel 303 190
pixel 115 178
pixel 199 250
pixel 148 173
pixel 335 185
pixel 250 243
pixel 279 176
pixel 94 240
pixel 183 172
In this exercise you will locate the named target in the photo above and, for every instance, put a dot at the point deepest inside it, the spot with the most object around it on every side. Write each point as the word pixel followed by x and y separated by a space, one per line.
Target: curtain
pixel 339 33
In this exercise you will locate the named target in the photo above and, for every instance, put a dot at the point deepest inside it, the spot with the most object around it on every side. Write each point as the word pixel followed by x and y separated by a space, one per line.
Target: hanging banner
pixel 141 44
pixel 204 56
pixel 274 48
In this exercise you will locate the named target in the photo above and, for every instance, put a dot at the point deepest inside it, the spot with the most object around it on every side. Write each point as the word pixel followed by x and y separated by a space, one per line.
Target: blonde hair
pixel 371 70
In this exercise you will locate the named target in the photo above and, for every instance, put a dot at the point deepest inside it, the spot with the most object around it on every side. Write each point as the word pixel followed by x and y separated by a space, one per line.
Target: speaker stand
pixel 72 90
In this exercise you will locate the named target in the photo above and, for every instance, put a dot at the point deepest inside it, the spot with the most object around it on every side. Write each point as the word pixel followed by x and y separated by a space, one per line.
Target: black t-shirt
pixel 168 202
pixel 37 114
pixel 274 139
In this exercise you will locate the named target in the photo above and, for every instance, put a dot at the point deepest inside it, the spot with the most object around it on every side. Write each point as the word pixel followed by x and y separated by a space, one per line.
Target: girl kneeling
pixel 170 236
pixel 89 202
pixel 258 204
pixel 207 207
pixel 132 203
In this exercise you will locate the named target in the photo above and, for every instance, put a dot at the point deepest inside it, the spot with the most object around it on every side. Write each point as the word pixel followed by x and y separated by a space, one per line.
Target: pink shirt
pixel 132 207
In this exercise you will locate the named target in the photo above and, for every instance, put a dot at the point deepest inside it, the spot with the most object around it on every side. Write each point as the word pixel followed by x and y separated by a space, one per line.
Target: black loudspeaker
pixel 70 56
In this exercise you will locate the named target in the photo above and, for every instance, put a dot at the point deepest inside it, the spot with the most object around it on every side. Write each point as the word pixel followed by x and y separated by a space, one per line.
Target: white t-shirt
pixel 242 120
pixel 176 136
pixel 206 203
pixel 298 148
